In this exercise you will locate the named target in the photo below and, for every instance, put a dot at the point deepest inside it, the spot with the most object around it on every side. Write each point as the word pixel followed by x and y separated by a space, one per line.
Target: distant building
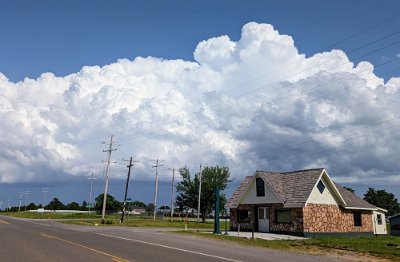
pixel 395 225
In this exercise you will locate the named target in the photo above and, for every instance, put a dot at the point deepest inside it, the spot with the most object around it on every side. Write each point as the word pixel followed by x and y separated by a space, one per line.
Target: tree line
pixel 213 177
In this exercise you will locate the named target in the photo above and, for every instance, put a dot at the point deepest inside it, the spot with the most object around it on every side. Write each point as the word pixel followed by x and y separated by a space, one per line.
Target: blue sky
pixel 196 96
pixel 63 36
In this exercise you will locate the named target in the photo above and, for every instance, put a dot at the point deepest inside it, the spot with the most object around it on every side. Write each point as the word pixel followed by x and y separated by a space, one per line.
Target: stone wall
pixel 331 219
pixel 234 219
pixel 295 226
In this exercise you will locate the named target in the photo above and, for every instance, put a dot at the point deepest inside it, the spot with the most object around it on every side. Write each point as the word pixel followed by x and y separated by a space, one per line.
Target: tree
pixel 350 189
pixel 31 206
pixel 138 204
pixel 383 199
pixel 73 206
pixel 55 204
pixel 150 207
pixel 187 191
pixel 188 188
pixel 112 205
pixel 84 206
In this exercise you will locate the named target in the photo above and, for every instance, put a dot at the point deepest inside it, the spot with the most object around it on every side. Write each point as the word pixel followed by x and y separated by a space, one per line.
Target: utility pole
pixel 8 204
pixel 44 191
pixel 26 193
pixel 198 203
pixel 1 203
pixel 110 149
pixel 156 188
pixel 20 195
pixel 91 188
pixel 172 193
pixel 126 187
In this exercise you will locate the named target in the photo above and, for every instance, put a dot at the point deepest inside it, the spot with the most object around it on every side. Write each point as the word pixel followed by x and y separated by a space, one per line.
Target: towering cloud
pixel 252 104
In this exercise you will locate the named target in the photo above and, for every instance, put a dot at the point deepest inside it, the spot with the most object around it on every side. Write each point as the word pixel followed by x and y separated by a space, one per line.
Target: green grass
pixel 144 222
pixel 381 246
pixel 50 215
pixel 113 220
pixel 387 247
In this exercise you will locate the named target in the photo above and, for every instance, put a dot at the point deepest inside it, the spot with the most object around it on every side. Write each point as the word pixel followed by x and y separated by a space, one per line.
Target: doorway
pixel 263 219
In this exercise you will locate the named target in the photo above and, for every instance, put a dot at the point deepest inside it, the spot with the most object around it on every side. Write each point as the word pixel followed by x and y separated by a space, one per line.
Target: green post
pixel 217 230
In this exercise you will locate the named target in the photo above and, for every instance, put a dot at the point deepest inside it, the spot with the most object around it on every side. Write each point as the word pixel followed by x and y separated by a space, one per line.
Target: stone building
pixel 305 203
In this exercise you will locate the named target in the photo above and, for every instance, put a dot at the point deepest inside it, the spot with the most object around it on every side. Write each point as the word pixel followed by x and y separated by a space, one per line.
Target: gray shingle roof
pixel 294 188
pixel 351 199
pixel 233 201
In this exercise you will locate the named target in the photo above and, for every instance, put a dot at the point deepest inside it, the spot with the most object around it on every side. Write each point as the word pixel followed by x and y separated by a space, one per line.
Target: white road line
pixel 168 247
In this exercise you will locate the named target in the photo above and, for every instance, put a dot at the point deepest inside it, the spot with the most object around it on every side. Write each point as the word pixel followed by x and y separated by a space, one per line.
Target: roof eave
pixel 362 208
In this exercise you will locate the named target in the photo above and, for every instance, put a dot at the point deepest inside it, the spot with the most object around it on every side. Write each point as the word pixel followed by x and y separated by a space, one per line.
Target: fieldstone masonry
pixel 314 218
pixel 333 219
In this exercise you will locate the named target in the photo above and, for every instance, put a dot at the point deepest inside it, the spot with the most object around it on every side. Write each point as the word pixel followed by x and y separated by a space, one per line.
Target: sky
pixel 252 85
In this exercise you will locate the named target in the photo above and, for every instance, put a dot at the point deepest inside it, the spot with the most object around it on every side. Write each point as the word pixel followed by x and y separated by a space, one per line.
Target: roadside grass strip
pixel 115 258
pixel 387 247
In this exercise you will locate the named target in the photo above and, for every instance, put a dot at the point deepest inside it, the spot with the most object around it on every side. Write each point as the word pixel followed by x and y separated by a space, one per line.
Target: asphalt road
pixel 44 240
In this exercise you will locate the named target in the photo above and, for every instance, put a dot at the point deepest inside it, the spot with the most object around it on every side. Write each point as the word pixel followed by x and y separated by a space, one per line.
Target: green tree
pixel 187 191
pixel 73 206
pixel 84 206
pixel 31 206
pixel 112 205
pixel 350 189
pixel 55 204
pixel 138 204
pixel 383 199
pixel 188 188
pixel 150 207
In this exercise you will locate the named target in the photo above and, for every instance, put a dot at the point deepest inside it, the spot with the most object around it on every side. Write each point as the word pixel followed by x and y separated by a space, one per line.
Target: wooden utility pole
pixel 172 193
pixel 126 188
pixel 156 188
pixel 110 149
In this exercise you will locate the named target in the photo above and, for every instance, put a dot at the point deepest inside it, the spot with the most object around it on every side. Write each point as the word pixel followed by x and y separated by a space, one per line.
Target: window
pixel 357 218
pixel 283 216
pixel 321 186
pixel 379 219
pixel 244 216
pixel 260 187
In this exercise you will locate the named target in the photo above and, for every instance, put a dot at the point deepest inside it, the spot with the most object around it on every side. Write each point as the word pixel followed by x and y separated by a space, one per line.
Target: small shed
pixel 395 225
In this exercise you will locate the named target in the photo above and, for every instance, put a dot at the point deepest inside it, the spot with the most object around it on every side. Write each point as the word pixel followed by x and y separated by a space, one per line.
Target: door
pixel 379 223
pixel 263 219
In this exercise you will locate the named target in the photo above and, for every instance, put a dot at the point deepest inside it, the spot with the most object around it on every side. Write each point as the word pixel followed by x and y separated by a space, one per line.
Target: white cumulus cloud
pixel 255 103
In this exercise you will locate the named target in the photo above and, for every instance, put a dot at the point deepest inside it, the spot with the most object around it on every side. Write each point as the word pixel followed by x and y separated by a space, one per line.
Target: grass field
pixel 50 215
pixel 381 247
pixel 113 220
